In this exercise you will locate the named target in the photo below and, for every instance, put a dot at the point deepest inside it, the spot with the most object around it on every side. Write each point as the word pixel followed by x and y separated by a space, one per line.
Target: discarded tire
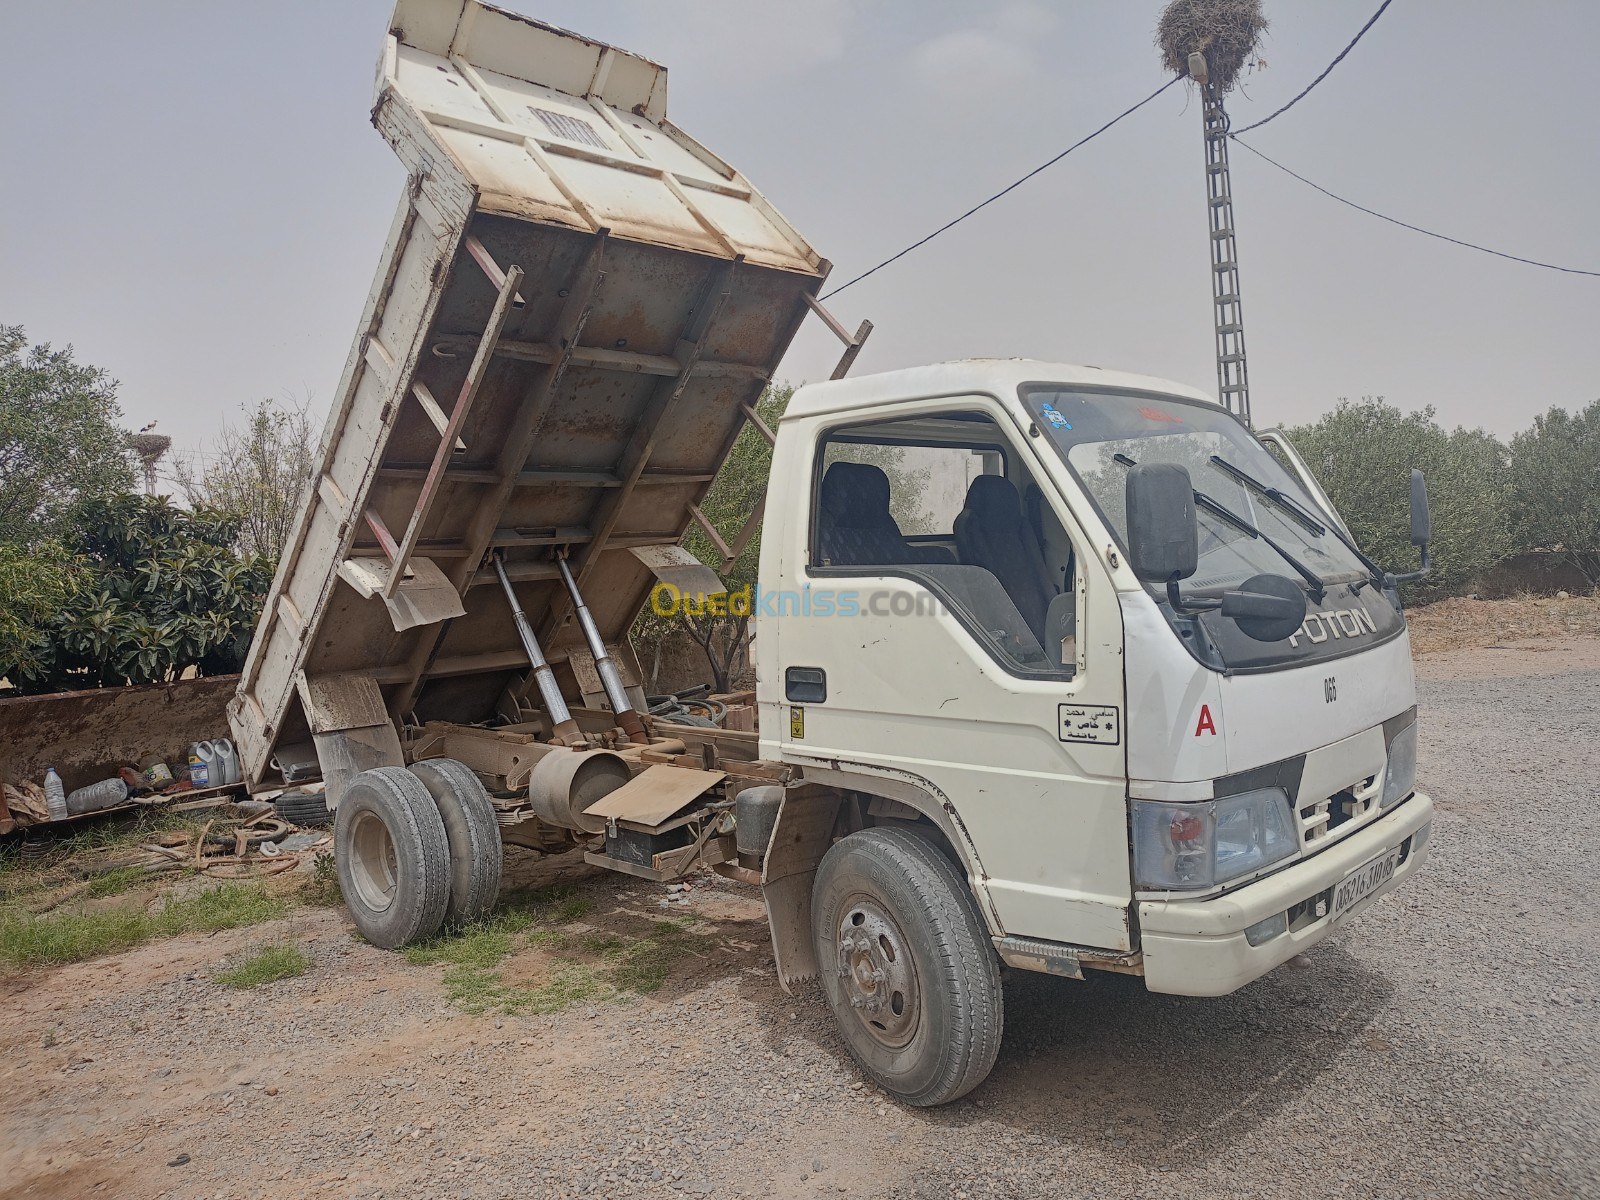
pixel 473 833
pixel 308 810
pixel 393 857
pixel 906 964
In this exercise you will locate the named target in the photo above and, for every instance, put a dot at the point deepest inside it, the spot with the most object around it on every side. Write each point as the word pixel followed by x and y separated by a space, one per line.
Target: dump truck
pixel 1059 669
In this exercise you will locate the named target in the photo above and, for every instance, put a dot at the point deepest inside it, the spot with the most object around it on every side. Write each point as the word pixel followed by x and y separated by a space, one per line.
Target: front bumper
pixel 1199 948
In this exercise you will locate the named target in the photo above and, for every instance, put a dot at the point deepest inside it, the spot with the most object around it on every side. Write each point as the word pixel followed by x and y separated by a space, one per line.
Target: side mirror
pixel 1421 527
pixel 1266 608
pixel 1163 535
pixel 1421 533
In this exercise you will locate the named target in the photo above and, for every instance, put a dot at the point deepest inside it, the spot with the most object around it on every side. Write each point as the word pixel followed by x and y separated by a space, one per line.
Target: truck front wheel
pixel 392 856
pixel 906 965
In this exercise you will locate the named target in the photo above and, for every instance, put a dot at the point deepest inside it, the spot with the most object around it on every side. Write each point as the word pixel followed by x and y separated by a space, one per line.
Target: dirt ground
pixel 1463 623
pixel 1445 1044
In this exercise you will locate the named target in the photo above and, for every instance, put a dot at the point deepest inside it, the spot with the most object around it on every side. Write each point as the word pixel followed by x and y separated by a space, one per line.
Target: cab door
pixel 901 657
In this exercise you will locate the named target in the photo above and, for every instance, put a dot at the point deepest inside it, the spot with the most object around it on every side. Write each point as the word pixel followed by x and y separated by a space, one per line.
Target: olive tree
pixel 60 438
pixel 1555 487
pixel 257 471
pixel 1363 453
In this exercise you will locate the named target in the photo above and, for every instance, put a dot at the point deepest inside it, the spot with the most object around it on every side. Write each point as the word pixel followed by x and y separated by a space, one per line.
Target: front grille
pixel 1338 814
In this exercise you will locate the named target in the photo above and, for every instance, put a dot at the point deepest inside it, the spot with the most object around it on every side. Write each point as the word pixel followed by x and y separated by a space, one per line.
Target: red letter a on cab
pixel 1205 724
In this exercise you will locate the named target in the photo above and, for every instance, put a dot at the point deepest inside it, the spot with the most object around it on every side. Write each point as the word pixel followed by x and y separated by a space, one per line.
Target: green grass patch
pixel 70 857
pixel 29 940
pixel 480 945
pixel 266 965
pixel 591 965
pixel 321 890
pixel 225 907
pixel 114 883
pixel 644 965
pixel 477 990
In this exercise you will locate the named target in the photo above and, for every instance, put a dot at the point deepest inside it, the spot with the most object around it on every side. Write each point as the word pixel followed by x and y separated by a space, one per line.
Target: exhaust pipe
pixel 566 731
pixel 610 679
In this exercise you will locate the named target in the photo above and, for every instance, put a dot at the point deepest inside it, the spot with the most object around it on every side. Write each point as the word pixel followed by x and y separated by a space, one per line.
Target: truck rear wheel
pixel 906 965
pixel 473 834
pixel 392 856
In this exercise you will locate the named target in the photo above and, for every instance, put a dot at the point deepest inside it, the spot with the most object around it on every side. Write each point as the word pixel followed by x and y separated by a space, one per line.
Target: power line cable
pixel 1372 20
pixel 1532 262
pixel 1009 188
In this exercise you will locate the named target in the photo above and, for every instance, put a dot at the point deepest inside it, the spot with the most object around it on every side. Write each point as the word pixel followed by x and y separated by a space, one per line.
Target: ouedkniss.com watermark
pixel 750 601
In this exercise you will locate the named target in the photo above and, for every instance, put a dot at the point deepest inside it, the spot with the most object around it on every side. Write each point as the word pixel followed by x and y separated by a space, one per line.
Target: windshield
pixel 1101 434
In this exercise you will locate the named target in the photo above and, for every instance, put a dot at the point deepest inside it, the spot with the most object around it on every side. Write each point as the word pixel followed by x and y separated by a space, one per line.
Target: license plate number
pixel 1363 881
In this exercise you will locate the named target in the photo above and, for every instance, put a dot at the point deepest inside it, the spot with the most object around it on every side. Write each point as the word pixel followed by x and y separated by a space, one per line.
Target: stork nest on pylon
pixel 149 446
pixel 1227 32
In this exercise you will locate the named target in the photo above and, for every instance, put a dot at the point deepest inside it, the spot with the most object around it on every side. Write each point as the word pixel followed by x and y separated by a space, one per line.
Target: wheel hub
pixel 876 973
pixel 374 865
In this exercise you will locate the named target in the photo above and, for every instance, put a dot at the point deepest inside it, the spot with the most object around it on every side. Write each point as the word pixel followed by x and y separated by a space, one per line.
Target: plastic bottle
pixel 55 795
pixel 106 794
pixel 200 760
pixel 227 761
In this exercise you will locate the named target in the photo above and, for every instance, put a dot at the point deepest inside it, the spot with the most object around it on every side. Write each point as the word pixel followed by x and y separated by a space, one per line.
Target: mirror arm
pixel 1391 578
pixel 1179 604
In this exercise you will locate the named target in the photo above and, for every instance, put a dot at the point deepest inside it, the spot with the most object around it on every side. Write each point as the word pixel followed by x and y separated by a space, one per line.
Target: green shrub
pixel 149 591
pixel 1555 487
pixel 1363 454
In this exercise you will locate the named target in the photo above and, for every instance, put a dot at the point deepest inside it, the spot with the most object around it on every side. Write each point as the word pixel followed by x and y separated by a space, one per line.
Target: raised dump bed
pixel 575 310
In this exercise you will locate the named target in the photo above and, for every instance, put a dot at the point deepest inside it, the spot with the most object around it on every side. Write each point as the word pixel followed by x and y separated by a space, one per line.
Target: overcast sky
pixel 192 195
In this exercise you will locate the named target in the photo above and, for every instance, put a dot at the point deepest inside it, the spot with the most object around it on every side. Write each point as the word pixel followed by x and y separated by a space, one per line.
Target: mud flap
pixel 800 837
pixel 350 727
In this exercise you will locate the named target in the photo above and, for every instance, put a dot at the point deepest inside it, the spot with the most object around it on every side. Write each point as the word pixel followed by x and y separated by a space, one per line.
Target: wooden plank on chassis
pixel 654 794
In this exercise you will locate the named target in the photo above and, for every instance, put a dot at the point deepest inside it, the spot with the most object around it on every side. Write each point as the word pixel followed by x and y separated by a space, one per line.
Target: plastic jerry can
pixel 202 758
pixel 227 761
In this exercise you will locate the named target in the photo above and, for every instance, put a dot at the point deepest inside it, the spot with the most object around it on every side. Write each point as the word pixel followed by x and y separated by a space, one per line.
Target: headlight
pixel 1400 776
pixel 1204 843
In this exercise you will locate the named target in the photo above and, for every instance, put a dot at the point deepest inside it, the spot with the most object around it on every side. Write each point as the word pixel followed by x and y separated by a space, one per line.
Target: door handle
pixel 805 685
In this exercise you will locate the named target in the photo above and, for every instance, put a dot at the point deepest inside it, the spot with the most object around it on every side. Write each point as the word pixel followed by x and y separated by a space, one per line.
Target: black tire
pixel 473 834
pixel 916 991
pixel 392 856
pixel 307 811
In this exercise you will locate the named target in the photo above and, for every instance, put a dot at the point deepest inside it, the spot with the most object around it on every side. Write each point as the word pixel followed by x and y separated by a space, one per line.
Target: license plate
pixel 1363 881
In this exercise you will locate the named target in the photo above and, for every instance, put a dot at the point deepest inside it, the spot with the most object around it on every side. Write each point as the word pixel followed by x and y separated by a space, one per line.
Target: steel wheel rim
pixel 374 866
pixel 876 973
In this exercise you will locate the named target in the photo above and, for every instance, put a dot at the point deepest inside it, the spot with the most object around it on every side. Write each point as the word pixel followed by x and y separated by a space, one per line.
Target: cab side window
pixel 937 500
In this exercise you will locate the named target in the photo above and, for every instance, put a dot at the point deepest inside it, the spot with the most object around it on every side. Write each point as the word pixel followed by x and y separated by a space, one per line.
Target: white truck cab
pixel 1059 667
pixel 952 617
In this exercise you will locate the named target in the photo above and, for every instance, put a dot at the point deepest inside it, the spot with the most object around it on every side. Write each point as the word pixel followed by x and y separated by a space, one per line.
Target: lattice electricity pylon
pixel 1233 375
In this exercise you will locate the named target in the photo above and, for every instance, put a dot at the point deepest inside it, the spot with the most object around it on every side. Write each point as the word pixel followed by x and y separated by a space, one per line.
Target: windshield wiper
pixel 1318 585
pixel 1297 510
pixel 1277 495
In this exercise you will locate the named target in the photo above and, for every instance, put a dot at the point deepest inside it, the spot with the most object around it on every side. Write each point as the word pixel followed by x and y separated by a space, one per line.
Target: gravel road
pixel 1443 1045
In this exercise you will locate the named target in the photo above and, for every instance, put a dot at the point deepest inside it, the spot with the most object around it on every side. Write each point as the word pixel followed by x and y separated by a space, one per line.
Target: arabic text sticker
pixel 1100 724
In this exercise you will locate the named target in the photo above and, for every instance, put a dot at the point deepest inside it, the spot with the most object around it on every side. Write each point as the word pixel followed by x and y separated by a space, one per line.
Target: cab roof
pixel 994 376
